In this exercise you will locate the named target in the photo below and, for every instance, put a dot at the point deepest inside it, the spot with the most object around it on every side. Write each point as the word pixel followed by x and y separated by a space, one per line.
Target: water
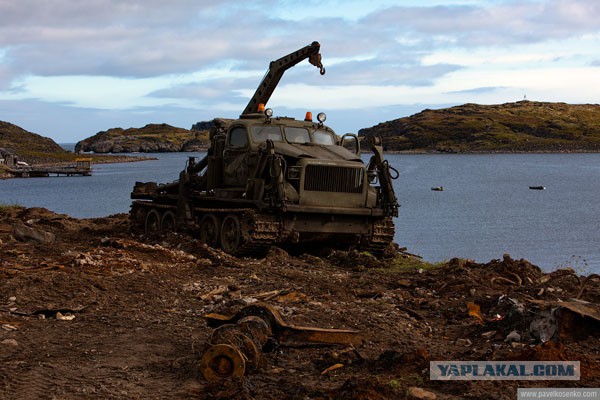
pixel 485 210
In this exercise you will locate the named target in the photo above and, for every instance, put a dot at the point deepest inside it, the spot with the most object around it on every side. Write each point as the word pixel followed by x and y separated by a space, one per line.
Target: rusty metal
pixel 285 333
pixel 236 344
pixel 222 361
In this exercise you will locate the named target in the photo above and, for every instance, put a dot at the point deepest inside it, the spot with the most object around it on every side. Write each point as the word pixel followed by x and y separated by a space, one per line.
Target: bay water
pixel 485 210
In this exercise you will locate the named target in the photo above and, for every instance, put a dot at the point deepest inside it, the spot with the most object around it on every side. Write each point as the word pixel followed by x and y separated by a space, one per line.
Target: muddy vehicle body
pixel 275 180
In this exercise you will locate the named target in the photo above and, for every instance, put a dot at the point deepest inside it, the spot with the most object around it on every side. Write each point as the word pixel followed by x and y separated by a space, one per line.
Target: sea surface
pixel 485 210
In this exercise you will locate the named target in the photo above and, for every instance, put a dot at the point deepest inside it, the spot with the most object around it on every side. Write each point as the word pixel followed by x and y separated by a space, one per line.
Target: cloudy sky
pixel 69 68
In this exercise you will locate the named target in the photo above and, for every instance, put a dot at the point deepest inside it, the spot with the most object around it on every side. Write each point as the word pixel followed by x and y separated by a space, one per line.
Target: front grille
pixel 327 178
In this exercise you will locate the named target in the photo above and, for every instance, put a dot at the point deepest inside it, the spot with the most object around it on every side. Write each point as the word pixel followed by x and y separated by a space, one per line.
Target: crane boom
pixel 276 70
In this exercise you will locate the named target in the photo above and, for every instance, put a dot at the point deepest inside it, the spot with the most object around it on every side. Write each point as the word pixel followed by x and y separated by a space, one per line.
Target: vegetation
pixel 36 150
pixel 31 147
pixel 524 126
pixel 150 138
pixel 10 207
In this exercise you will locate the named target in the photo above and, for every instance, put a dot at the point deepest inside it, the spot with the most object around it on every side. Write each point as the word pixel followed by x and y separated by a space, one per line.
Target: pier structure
pixel 82 166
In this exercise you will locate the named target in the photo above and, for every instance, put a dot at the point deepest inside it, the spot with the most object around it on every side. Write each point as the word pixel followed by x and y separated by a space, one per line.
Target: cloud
pixel 478 90
pixel 493 24
pixel 148 58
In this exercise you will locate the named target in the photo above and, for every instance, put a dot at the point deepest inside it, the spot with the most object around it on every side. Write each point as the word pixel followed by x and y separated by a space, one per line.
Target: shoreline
pixel 7 173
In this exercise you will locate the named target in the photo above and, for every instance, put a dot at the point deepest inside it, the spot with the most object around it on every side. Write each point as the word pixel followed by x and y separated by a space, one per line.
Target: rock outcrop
pixel 524 126
pixel 31 147
pixel 152 138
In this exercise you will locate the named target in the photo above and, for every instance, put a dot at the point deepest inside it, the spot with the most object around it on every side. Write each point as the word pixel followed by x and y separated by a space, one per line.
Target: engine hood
pixel 321 152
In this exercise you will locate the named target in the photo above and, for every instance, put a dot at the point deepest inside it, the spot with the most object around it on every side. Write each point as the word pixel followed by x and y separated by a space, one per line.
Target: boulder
pixel 25 233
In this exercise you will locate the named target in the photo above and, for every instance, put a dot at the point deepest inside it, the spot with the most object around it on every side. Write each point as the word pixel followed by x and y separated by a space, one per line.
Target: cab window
pixel 238 137
pixel 297 135
pixel 323 137
pixel 261 133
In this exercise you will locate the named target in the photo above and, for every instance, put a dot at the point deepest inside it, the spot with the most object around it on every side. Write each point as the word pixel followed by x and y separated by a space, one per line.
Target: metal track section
pixel 259 231
pixel 381 237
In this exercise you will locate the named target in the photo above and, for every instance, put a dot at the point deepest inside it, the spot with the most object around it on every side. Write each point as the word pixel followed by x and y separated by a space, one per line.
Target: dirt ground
pixel 90 310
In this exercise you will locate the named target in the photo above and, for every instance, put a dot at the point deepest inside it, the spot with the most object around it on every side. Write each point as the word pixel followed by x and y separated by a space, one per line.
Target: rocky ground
pixel 90 310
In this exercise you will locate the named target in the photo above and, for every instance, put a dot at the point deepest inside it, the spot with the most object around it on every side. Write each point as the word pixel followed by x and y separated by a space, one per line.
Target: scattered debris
pixel 238 340
pixel 144 305
pixel 8 327
pixel 474 311
pixel 332 368
pixel 488 335
pixel 66 317
pixel 513 336
pixel 418 393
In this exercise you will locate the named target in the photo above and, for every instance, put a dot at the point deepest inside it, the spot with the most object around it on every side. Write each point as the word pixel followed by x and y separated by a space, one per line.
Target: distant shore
pixel 8 173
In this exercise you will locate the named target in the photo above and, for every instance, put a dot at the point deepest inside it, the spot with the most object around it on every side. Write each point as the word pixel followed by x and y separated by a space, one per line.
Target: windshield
pixel 297 135
pixel 261 133
pixel 323 137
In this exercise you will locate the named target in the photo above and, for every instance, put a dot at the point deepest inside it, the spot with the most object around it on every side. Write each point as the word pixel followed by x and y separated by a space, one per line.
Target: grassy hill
pixel 524 126
pixel 150 138
pixel 31 147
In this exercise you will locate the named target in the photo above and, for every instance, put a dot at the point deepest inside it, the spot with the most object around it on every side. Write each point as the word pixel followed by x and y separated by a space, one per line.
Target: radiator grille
pixel 327 178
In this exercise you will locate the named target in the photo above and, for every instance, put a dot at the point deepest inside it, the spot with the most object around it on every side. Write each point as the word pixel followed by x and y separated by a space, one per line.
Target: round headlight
pixel 321 117
pixel 269 112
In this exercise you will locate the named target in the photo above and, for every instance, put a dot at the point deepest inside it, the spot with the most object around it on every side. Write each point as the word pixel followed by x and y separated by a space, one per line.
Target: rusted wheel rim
pixel 152 225
pixel 209 230
pixel 231 234
pixel 168 222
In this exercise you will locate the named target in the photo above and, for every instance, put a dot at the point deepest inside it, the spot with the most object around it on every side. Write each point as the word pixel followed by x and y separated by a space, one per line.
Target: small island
pixel 518 127
pixel 152 138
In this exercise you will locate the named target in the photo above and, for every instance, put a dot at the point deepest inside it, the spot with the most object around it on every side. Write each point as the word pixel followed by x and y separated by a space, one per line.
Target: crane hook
pixel 315 59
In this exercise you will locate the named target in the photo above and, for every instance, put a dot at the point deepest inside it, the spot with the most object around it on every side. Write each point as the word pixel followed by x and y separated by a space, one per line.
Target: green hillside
pixel 524 126
pixel 31 147
pixel 152 138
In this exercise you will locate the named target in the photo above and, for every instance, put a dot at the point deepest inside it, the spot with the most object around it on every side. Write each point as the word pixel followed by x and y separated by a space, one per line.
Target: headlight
pixel 294 172
pixel 321 117
pixel 269 112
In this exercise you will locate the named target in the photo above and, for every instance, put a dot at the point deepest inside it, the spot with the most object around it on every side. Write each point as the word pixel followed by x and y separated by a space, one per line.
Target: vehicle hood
pixel 321 152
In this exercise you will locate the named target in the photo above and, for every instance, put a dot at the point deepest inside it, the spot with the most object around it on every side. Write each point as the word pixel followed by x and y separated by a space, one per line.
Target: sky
pixel 69 68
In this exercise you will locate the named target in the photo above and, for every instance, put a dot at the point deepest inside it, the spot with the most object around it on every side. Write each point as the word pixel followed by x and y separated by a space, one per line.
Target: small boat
pixel 438 189
pixel 537 187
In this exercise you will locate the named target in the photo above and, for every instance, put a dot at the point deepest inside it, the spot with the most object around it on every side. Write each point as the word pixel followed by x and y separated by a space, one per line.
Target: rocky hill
pixel 152 138
pixel 524 126
pixel 31 147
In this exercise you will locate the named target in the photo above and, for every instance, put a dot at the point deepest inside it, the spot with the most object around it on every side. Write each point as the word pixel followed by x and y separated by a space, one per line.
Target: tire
pixel 210 228
pixel 152 225
pixel 168 223
pixel 231 234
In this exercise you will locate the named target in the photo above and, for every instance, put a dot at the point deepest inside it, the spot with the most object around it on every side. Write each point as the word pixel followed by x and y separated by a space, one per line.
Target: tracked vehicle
pixel 270 180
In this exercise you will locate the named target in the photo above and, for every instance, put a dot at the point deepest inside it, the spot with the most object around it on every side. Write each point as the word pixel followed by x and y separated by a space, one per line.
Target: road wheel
pixel 168 223
pixel 231 234
pixel 152 225
pixel 209 230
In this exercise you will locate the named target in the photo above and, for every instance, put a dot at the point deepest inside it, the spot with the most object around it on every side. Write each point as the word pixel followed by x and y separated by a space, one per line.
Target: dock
pixel 82 167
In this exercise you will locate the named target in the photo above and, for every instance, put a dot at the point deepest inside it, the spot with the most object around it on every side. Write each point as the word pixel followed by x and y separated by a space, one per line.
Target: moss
pixel 10 207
